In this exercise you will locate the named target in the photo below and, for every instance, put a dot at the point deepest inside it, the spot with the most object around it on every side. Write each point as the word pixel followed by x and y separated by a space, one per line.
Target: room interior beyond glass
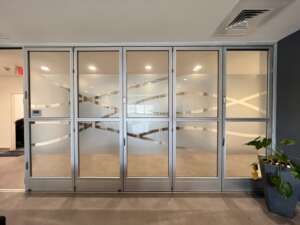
pixel 114 119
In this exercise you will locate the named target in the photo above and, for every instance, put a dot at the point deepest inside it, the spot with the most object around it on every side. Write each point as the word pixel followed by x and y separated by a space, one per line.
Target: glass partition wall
pixel 145 118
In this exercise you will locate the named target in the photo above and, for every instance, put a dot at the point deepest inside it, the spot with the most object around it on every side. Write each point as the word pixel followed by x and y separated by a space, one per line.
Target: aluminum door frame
pixel 135 184
pixel 97 184
pixel 207 184
pixel 53 184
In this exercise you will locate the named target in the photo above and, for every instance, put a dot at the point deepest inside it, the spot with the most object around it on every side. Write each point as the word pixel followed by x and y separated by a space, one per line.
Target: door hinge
pixel 224 100
pixel 124 142
pixel 25 95
pixel 26 165
pixel 223 141
pixel 74 188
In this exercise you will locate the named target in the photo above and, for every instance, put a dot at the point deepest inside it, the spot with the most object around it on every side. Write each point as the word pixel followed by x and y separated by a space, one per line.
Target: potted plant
pixel 281 177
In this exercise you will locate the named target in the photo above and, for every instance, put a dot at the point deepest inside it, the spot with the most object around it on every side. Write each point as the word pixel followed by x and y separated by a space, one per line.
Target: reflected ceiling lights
pixel 197 68
pixel 148 67
pixel 92 68
pixel 45 68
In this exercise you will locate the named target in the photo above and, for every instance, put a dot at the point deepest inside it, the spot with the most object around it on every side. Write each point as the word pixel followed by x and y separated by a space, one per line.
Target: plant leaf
pixel 295 171
pixel 285 189
pixel 286 141
pixel 259 142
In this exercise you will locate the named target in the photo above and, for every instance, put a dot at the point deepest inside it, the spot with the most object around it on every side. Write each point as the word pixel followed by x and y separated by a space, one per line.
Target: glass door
pixel 197 119
pixel 147 119
pixel 48 123
pixel 248 99
pixel 98 119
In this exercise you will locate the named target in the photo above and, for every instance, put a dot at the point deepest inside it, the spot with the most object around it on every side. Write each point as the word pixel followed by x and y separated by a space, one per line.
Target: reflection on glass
pixel 147 149
pixel 147 83
pixel 240 156
pixel 49 84
pixel 246 83
pixel 196 83
pixel 98 84
pixel 99 149
pixel 50 149
pixel 196 149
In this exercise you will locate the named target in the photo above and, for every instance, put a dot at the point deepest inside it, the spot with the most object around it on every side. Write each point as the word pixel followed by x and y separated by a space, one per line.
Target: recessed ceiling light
pixel 45 68
pixel 185 79
pixel 197 68
pixel 92 68
pixel 148 67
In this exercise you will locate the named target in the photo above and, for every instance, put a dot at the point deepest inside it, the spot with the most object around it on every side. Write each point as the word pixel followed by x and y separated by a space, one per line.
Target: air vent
pixel 242 20
pixel 248 15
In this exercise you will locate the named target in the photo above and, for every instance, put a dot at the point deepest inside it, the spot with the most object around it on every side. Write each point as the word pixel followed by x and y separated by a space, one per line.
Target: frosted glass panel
pixel 147 83
pixel 49 84
pixel 196 149
pixel 99 149
pixel 196 83
pixel 147 149
pixel 239 156
pixel 99 94
pixel 246 83
pixel 50 149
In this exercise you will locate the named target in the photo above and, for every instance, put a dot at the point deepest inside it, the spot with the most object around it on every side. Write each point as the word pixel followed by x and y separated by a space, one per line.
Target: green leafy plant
pixel 279 159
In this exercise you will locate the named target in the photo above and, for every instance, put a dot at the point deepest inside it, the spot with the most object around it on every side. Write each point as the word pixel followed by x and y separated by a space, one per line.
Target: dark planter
pixel 275 202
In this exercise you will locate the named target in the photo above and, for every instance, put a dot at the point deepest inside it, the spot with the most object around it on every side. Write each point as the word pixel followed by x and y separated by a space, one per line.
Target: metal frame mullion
pixel 124 115
pixel 220 122
pixel 174 116
pixel 121 121
pixel 170 119
pixel 26 121
pixel 246 119
pixel 75 115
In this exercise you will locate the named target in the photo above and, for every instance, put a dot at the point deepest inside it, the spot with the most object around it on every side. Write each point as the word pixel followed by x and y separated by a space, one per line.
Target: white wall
pixel 8 87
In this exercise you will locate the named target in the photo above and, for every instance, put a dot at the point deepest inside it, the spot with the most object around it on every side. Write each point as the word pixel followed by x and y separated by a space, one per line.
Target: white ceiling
pixel 98 21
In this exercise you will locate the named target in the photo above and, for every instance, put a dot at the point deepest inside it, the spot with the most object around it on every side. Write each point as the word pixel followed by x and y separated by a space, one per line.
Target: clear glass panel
pixel 147 83
pixel 147 149
pixel 196 149
pixel 240 156
pixel 99 149
pixel 196 83
pixel 50 149
pixel 99 94
pixel 49 84
pixel 246 83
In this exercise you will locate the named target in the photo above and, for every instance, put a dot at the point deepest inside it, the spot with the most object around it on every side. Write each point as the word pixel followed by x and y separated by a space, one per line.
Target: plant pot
pixel 275 202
